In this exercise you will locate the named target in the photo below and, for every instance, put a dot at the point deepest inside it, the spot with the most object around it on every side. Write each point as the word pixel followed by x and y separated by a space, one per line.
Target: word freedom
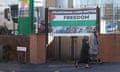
pixel 76 17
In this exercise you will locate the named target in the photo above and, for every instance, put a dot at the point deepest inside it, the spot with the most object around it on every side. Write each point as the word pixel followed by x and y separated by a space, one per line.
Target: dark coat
pixel 84 54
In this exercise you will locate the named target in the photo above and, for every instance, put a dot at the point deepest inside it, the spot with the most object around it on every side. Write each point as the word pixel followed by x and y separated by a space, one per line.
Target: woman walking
pixel 84 54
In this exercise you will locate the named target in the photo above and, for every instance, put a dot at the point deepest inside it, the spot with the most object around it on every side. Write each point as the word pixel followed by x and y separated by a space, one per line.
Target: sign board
pixel 22 49
pixel 24 8
pixel 38 3
pixel 72 22
pixel 110 27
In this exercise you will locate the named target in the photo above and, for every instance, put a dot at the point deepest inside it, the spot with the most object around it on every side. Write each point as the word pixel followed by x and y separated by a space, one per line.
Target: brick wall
pixel 109 48
pixel 13 42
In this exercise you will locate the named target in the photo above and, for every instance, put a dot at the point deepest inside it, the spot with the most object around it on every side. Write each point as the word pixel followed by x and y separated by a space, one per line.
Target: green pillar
pixel 26 17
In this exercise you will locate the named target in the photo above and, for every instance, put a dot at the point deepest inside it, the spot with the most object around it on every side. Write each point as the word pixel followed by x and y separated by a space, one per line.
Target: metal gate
pixel 65 47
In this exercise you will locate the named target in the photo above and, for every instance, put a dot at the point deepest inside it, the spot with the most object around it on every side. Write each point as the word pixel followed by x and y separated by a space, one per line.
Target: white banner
pixel 75 17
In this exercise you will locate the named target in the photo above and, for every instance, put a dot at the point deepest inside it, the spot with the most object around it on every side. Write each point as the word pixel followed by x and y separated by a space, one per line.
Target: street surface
pixel 58 67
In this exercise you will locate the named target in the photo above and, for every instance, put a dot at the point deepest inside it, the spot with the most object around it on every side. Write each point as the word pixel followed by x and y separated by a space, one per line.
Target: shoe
pixel 87 66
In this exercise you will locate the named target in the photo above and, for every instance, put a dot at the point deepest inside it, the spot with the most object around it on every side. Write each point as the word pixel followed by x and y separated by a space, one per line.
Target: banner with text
pixel 24 8
pixel 72 22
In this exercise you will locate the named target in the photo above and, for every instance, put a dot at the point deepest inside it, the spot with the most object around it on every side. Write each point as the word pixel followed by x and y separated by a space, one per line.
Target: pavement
pixel 58 67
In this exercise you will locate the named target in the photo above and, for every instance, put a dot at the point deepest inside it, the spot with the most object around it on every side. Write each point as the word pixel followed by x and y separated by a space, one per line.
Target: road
pixel 58 67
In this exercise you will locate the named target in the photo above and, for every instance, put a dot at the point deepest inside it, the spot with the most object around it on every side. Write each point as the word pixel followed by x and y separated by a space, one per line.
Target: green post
pixel 26 17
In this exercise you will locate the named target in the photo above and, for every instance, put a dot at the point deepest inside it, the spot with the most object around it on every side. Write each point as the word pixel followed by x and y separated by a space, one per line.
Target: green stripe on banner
pixel 74 23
